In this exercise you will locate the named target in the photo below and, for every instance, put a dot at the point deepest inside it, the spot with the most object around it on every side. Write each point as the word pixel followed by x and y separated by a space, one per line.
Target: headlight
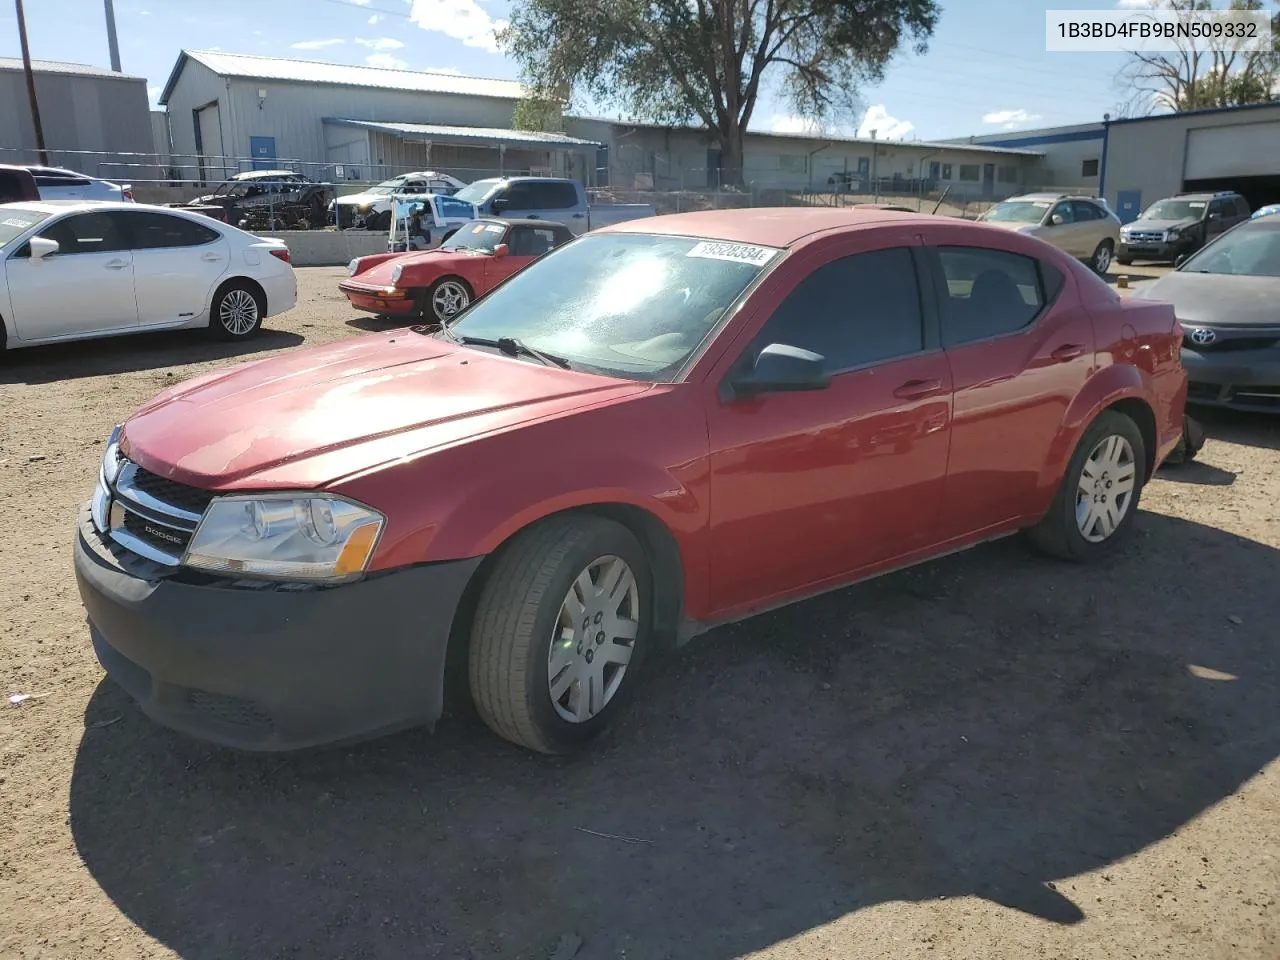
pixel 395 273
pixel 351 267
pixel 111 457
pixel 285 537
pixel 1172 234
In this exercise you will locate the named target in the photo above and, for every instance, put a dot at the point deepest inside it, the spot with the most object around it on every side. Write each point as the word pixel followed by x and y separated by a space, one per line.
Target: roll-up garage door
pixel 1240 150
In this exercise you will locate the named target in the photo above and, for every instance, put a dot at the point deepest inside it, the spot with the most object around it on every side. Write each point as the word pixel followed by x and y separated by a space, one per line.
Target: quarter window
pixel 853 311
pixel 986 293
pixel 153 231
pixel 1084 211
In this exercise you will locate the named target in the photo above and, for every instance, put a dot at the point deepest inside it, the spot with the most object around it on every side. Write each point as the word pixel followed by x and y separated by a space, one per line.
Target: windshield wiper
pixel 515 347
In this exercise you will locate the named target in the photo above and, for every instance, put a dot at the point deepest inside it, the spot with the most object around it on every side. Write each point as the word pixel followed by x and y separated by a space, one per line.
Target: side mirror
pixel 501 250
pixel 42 247
pixel 1056 220
pixel 1215 216
pixel 498 204
pixel 1181 259
pixel 782 367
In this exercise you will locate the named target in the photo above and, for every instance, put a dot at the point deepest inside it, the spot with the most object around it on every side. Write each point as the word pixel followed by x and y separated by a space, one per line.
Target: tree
pixel 539 114
pixel 680 61
pixel 1201 73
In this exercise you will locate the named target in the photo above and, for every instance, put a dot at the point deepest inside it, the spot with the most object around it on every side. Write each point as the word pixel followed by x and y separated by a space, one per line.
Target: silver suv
pixel 1080 226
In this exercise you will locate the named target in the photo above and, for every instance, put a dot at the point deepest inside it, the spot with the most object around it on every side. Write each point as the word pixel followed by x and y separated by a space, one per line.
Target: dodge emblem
pixel 1202 336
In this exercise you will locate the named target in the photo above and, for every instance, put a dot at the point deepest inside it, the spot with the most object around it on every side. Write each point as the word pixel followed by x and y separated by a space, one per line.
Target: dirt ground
pixel 991 757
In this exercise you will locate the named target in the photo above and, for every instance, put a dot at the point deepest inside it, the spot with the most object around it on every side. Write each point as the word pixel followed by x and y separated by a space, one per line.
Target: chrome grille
pixel 154 517
pixel 1144 236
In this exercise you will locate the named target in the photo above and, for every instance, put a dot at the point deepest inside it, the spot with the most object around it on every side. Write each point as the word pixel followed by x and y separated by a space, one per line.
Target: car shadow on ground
pixel 1234 426
pixel 984 725
pixel 112 355
pixel 1199 473
pixel 379 324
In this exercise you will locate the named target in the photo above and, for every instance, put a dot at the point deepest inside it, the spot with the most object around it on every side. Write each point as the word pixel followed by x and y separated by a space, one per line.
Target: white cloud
pixel 381 43
pixel 154 92
pixel 463 20
pixel 454 71
pixel 783 123
pixel 316 44
pixel 1010 119
pixel 886 127
pixel 376 19
pixel 386 61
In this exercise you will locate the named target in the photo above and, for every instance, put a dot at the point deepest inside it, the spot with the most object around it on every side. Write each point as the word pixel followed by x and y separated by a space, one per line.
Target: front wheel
pixel 1101 259
pixel 561 628
pixel 237 312
pixel 445 299
pixel 1095 505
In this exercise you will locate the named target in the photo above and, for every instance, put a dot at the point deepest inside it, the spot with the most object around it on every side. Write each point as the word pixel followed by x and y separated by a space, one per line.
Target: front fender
pixel 1106 387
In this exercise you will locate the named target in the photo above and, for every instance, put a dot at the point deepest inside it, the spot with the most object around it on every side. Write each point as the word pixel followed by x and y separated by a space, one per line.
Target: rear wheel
pixel 237 311
pixel 1101 259
pixel 560 631
pixel 1095 505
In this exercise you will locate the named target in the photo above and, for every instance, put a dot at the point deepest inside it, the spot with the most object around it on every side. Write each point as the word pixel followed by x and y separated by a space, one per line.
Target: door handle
pixel 211 257
pixel 116 264
pixel 914 389
pixel 1068 351
pixel 578 216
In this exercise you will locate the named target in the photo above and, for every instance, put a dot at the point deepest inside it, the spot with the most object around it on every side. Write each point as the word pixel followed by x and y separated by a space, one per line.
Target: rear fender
pixel 1108 386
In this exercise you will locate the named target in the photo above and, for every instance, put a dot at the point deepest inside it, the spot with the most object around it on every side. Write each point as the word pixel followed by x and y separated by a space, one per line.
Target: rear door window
pixel 553 196
pixel 156 231
pixel 986 293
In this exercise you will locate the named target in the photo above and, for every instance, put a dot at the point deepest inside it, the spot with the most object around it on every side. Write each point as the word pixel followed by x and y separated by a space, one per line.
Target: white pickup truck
pixel 547 198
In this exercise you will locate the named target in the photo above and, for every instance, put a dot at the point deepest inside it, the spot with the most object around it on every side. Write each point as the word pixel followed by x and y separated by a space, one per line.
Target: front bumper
pixel 1237 379
pixel 271 667
pixel 373 300
pixel 1154 250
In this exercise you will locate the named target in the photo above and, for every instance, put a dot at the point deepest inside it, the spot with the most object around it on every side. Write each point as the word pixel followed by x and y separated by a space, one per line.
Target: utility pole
pixel 31 85
pixel 112 45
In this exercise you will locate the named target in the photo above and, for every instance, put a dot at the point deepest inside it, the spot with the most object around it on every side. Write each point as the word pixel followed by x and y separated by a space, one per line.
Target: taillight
pixel 281 253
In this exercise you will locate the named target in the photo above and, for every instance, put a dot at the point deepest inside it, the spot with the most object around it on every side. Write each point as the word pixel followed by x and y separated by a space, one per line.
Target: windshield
pixel 481 235
pixel 623 304
pixel 476 192
pixel 1174 210
pixel 1017 211
pixel 16 220
pixel 1250 250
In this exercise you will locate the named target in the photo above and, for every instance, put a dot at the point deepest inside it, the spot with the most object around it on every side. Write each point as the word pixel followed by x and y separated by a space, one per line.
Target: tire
pixel 1100 262
pixel 1062 532
pixel 513 659
pixel 446 298
pixel 236 312
pixel 1125 261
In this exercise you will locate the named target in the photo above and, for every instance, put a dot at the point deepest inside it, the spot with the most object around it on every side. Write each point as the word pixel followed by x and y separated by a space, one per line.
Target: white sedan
pixel 74 270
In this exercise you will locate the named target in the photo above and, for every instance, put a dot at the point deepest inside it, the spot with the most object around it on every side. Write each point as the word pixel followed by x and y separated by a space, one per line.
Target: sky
pixel 986 70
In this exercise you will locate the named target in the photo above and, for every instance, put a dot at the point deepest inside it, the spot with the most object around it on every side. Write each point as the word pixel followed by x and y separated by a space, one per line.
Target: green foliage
pixel 543 115
pixel 681 61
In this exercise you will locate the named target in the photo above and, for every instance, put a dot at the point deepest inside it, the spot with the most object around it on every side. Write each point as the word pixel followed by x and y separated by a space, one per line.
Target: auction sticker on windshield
pixel 734 252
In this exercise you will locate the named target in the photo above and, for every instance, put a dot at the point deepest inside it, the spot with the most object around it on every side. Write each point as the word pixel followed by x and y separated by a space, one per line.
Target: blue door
pixel 263 152
pixel 1128 205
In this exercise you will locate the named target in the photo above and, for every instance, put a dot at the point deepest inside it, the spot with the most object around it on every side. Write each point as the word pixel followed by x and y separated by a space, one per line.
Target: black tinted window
pixel 1062 213
pixel 88 233
pixel 1084 210
pixel 154 230
pixel 531 241
pixel 986 293
pixel 854 311
pixel 59 178
pixel 518 196
pixel 553 196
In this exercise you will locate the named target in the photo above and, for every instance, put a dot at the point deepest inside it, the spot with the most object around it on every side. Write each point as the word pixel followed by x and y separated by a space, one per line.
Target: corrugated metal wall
pixel 101 115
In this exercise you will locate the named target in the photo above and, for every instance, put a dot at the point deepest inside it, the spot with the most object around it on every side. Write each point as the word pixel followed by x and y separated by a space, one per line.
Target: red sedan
pixel 436 284
pixel 666 425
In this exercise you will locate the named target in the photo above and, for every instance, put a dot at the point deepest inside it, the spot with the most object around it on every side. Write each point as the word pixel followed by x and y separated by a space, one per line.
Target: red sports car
pixel 436 284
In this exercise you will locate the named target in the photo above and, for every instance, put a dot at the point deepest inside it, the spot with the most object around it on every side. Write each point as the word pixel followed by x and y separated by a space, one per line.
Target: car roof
pixel 62 206
pixel 771 226
pixel 255 174
pixel 1055 196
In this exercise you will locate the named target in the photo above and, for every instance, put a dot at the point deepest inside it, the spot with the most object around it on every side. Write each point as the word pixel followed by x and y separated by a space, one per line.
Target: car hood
pixel 1159 225
pixel 380 273
pixel 1208 299
pixel 309 417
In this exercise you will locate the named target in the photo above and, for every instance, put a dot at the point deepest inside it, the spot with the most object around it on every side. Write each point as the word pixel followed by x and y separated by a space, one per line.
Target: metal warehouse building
pixel 90 116
pixel 1137 161
pixel 230 112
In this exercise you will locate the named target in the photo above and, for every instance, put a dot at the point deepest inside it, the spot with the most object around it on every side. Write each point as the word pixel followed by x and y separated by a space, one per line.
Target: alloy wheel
pixel 448 298
pixel 238 312
pixel 594 639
